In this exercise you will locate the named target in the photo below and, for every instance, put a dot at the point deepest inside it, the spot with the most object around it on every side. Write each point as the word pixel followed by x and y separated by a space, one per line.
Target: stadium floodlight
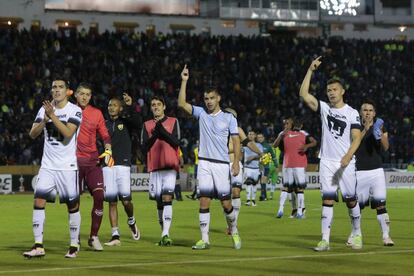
pixel 340 7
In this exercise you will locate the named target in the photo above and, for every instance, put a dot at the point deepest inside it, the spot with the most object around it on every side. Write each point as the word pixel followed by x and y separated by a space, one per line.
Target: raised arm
pixel 182 103
pixel 308 98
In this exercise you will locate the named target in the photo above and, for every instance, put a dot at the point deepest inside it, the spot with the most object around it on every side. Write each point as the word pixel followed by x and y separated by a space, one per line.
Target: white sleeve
pixel 40 115
pixel 233 128
pixel 355 120
pixel 75 117
pixel 197 111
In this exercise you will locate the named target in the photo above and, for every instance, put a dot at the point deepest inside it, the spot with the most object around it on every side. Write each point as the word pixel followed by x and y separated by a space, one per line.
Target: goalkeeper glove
pixel 107 156
pixel 377 128
pixel 266 159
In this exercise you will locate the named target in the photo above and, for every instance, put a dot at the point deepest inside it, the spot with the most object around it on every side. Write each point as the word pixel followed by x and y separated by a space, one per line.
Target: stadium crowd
pixel 258 76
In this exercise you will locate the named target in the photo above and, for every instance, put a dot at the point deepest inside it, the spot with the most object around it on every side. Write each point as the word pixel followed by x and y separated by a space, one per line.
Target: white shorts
pixel 213 180
pixel 117 180
pixel 162 183
pixel 371 187
pixel 65 183
pixel 237 181
pixel 333 176
pixel 294 177
pixel 253 174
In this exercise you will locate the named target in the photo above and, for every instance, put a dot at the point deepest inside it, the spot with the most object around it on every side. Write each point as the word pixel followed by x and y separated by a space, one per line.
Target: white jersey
pixel 336 130
pixel 215 130
pixel 59 153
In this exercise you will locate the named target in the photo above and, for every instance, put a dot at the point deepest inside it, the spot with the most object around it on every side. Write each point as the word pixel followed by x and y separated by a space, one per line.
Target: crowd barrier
pixel 11 183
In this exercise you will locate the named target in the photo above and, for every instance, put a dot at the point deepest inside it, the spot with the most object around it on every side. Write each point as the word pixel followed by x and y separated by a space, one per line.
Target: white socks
pixel 74 228
pixel 326 221
pixel 166 219
pixel 38 223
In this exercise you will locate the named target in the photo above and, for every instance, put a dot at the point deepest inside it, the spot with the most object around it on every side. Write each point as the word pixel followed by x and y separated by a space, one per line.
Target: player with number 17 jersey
pixel 59 153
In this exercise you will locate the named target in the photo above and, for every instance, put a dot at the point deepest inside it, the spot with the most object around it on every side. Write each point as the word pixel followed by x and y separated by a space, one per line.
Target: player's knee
pixel 73 207
pixel 328 203
pixel 39 203
pixel 126 202
pixel 381 210
pixel 351 204
pixel 377 204
pixel 249 181
pixel 98 195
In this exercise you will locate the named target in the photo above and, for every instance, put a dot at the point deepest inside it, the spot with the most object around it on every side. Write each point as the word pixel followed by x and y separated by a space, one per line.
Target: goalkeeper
pixel 273 175
pixel 90 171
pixel 268 157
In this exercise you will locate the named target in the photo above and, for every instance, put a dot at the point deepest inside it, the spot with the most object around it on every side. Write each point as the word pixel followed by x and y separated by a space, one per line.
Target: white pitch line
pixel 316 255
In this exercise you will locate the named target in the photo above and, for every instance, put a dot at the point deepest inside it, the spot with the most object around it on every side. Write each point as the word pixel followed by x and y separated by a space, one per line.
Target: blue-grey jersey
pixel 215 131
pixel 254 164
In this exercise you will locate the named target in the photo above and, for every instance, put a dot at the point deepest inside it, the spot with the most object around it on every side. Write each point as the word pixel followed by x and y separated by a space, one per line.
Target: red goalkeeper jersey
pixel 93 123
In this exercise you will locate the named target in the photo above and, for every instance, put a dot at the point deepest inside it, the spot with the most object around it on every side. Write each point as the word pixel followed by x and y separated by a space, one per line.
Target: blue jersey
pixel 215 131
pixel 254 164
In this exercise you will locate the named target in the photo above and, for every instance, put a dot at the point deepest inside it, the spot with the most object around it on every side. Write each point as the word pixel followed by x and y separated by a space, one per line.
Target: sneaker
pixel 190 197
pixel 248 203
pixel 136 235
pixel 322 246
pixel 72 252
pixel 279 214
pixel 254 203
pixel 350 241
pixel 201 245
pixel 236 241
pixel 37 251
pixel 302 216
pixel 388 242
pixel 115 241
pixel 293 214
pixel 356 242
pixel 95 244
pixel 165 241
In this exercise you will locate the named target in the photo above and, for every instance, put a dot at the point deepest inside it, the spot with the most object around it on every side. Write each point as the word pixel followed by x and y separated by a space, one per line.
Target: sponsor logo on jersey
pixel 121 126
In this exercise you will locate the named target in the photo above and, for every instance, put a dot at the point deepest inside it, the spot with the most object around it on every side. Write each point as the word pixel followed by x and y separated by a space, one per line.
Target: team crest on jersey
pixel 121 126
pixel 336 126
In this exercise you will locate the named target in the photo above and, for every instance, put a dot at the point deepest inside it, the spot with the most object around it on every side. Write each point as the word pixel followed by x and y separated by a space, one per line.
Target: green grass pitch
pixel 270 246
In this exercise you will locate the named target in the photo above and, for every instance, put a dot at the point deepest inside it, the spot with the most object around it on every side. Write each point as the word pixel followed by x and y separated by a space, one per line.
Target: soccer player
pixel 370 174
pixel 295 144
pixel 237 181
pixel 286 191
pixel 251 169
pixel 123 120
pixel 341 136
pixel 90 171
pixel 213 167
pixel 59 120
pixel 160 138
pixel 267 148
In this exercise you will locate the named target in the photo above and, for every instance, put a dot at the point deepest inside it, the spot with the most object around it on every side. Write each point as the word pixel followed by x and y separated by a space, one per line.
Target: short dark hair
pixel 212 89
pixel 85 85
pixel 371 102
pixel 158 98
pixel 335 80
pixel 61 78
